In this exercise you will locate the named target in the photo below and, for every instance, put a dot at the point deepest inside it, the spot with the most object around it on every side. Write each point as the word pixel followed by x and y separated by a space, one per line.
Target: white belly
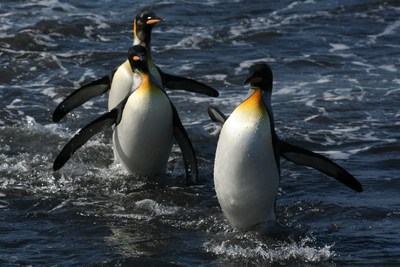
pixel 143 139
pixel 246 175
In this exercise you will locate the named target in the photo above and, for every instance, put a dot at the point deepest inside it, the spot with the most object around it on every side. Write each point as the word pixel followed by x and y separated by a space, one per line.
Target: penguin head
pixel 143 24
pixel 137 56
pixel 260 77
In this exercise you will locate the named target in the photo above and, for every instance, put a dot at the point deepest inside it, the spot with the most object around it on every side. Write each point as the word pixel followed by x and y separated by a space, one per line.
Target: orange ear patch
pixel 256 80
pixel 134 29
pixel 136 58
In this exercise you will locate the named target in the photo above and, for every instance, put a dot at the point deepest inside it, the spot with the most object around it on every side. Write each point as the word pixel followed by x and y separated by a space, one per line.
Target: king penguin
pixel 121 80
pixel 247 160
pixel 145 123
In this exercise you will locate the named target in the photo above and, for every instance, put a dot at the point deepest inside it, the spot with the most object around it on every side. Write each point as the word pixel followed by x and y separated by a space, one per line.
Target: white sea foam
pixel 396 80
pixel 357 150
pixel 346 129
pixel 336 47
pixel 251 25
pixel 215 2
pixel 50 4
pixel 87 75
pixel 295 89
pixel 280 252
pixel 216 77
pixel 346 55
pixel 245 65
pixel 323 80
pixel 29 123
pixel 393 91
pixel 342 94
pixel 50 92
pixel 335 154
pixel 155 208
pixel 390 68
pixel 194 38
pixel 58 62
pixel 311 117
pixel 88 105
pixel 363 64
pixel 6 24
pixel 213 128
pixel 45 40
pixel 103 38
pixel 15 104
pixel 390 29
pixel 19 166
pixel 96 18
pixel 287 90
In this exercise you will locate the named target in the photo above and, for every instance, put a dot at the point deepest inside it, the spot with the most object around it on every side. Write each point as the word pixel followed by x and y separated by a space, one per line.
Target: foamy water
pixel 336 92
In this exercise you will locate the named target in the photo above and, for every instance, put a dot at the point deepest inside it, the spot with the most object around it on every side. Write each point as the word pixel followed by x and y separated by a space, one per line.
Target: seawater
pixel 336 92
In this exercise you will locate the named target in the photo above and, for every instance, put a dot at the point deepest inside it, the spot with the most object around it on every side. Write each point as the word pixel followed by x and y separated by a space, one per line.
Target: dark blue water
pixel 337 91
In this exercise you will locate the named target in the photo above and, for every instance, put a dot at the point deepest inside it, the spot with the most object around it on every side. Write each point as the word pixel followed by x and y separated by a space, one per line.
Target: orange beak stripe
pixel 136 58
pixel 152 21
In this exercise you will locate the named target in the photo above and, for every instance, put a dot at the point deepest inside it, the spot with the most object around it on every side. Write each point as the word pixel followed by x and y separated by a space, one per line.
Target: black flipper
pixel 308 158
pixel 100 124
pixel 188 154
pixel 181 83
pixel 81 95
pixel 216 115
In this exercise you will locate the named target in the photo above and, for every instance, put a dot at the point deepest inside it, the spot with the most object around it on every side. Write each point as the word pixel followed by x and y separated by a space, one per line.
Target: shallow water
pixel 336 91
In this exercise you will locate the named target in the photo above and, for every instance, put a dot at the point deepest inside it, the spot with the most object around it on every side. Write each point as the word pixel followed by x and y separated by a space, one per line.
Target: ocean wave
pixel 335 92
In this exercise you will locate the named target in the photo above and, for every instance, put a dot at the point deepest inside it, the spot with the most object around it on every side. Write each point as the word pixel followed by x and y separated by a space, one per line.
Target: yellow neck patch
pixel 134 30
pixel 254 104
pixel 147 85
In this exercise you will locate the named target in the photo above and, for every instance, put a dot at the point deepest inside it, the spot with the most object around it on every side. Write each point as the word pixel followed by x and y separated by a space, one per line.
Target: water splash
pixel 252 250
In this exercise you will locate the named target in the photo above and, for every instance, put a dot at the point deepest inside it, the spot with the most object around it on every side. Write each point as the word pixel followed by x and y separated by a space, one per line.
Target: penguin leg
pixel 100 124
pixel 81 95
pixel 174 82
pixel 301 156
pixel 188 154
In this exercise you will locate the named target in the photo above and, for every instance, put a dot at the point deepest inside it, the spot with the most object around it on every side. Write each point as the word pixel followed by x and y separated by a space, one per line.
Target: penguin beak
pixel 247 80
pixel 251 79
pixel 153 21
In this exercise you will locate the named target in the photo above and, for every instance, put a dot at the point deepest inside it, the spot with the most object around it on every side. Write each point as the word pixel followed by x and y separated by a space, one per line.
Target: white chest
pixel 246 175
pixel 143 138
